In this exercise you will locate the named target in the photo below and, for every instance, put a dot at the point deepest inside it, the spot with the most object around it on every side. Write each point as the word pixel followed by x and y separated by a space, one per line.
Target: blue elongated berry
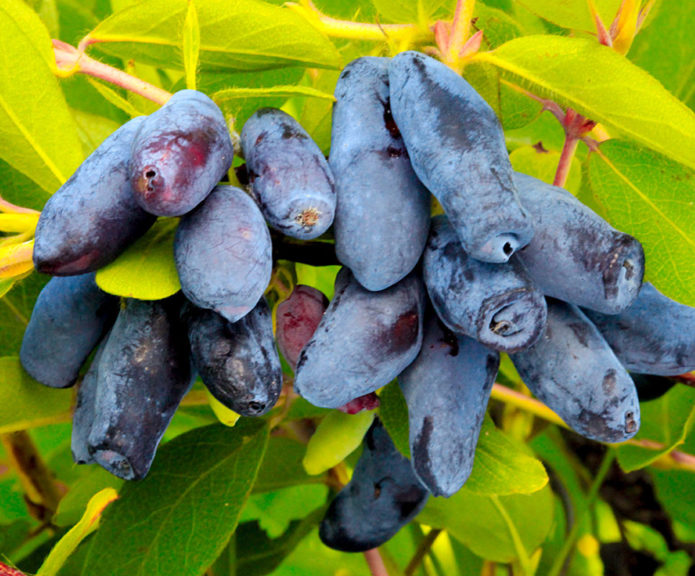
pixel 655 335
pixel 382 217
pixel 577 256
pixel 69 318
pixel 93 217
pixel 382 497
pixel 223 253
pixel 497 304
pixel 447 388
pixel 143 374
pixel 289 175
pixel 238 362
pixel 456 146
pixel 364 340
pixel 574 372
pixel 179 154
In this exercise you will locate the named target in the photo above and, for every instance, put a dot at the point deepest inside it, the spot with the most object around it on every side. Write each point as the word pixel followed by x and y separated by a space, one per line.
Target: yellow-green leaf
pixel 146 270
pixel 540 163
pixel 243 93
pixel 191 45
pixel 653 199
pixel 603 86
pixel 38 136
pixel 234 35
pixel 574 14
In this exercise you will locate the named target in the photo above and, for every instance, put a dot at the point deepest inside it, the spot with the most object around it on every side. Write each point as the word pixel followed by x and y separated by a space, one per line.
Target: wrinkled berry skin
pixel 289 175
pixel 447 388
pixel 223 253
pixel 575 255
pixel 143 374
pixel 297 319
pixel 382 217
pixel 497 304
pixel 456 146
pixel 179 154
pixel 83 415
pixel 574 372
pixel 237 362
pixel 69 318
pixel 93 217
pixel 655 335
pixel 365 339
pixel 382 497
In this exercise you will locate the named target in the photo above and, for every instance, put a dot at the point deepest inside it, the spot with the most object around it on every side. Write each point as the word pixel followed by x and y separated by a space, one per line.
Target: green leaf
pixel 665 48
pixel 24 403
pixel 504 465
pixel 234 35
pixel 497 26
pixel 224 96
pixel 15 311
pixel 665 421
pixel 409 11
pixel 179 518
pixel 542 164
pixel 320 277
pixel 38 135
pixel 93 129
pixel 146 270
pixel 191 45
pixel 72 505
pixel 602 85
pixel 337 436
pixel 486 524
pixel 573 14
pixel 674 489
pixel 393 412
pixel 258 555
pixel 650 197
pixel 282 466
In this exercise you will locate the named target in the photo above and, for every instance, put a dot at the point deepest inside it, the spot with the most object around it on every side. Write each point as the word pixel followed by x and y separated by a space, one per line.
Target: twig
pixel 422 550
pixel 375 562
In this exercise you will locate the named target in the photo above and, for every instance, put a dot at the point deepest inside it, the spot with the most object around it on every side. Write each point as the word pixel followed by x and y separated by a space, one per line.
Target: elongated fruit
pixel 143 374
pixel 69 318
pixel 382 497
pixel 382 217
pixel 223 253
pixel 577 256
pixel 365 339
pixel 575 373
pixel 297 319
pixel 655 335
pixel 237 361
pixel 497 304
pixel 179 154
pixel 456 146
pixel 289 175
pixel 447 388
pixel 93 217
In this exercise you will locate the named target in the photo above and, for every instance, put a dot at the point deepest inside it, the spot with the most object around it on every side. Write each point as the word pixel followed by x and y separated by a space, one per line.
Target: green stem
pixel 565 554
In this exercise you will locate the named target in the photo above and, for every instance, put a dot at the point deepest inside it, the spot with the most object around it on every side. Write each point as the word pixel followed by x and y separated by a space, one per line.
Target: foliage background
pixel 238 500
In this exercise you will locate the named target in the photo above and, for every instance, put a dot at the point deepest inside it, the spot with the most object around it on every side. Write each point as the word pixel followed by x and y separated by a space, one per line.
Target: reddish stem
pixel 375 562
pixel 71 60
pixel 565 163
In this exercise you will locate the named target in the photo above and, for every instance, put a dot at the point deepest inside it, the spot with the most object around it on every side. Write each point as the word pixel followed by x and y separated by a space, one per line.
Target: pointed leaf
pixel 146 270
pixel 282 466
pixel 393 412
pixel 650 197
pixel 38 136
pixel 179 518
pixel 573 14
pixel 234 35
pixel 603 86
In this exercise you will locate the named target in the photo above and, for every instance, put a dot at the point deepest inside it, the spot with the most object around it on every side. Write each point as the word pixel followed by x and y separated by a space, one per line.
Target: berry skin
pixel 382 217
pixel 456 146
pixel 447 389
pixel 93 217
pixel 574 372
pixel 223 253
pixel 365 339
pixel 297 320
pixel 143 374
pixel 497 304
pixel 179 154
pixel 382 497
pixel 655 335
pixel 289 175
pixel 577 256
pixel 83 416
pixel 237 361
pixel 69 318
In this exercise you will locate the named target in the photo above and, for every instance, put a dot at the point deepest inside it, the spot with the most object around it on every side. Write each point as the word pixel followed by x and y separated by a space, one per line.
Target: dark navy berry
pixel 83 416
